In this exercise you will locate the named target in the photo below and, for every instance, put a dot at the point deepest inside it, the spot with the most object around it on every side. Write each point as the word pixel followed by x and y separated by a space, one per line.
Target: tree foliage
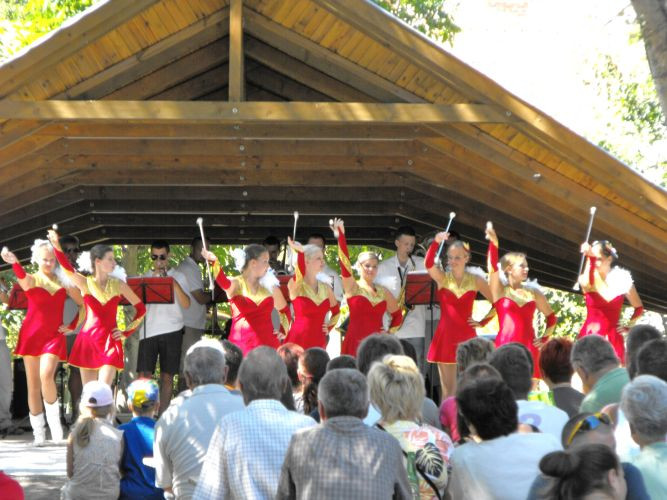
pixel 24 21
pixel 427 16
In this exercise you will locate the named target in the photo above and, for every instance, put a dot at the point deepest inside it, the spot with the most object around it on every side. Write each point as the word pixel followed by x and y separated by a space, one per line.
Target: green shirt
pixel 652 462
pixel 606 391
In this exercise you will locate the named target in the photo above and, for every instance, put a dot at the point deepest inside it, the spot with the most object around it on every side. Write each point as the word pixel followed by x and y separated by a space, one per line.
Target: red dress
pixel 366 312
pixel 310 310
pixel 94 346
pixel 39 332
pixel 251 318
pixel 604 302
pixel 516 310
pixel 456 303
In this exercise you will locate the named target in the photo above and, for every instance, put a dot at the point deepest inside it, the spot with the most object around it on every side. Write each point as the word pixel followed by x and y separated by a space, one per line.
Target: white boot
pixel 52 411
pixel 38 428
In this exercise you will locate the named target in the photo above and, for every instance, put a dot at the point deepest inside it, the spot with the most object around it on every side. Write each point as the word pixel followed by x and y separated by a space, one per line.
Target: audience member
pixel 583 430
pixel 162 332
pixel 516 367
pixel 248 447
pixel 557 371
pixel 475 350
pixel 138 482
pixel 584 472
pixel 342 361
pixel 474 372
pixel 595 361
pixel 233 359
pixel 5 370
pixel 652 359
pixel 637 337
pixel 342 457
pixel 94 448
pixel 397 390
pixel 501 463
pixel 430 412
pixel 194 317
pixel 644 402
pixel 312 367
pixel 290 354
pixel 183 432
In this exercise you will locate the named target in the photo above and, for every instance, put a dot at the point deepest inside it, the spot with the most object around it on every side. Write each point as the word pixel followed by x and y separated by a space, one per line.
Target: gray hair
pixel 205 363
pixel 644 402
pixel 311 250
pixel 344 392
pixel 593 353
pixel 263 375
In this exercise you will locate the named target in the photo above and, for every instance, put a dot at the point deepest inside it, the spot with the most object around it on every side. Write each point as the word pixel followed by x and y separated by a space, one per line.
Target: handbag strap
pixel 419 469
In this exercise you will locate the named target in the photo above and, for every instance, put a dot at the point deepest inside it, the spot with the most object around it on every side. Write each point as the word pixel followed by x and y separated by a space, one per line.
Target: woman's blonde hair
pixel 397 388
pixel 365 256
pixel 511 259
pixel 86 423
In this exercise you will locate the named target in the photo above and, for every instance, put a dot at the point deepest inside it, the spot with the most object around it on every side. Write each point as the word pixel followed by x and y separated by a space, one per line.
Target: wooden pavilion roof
pixel 138 116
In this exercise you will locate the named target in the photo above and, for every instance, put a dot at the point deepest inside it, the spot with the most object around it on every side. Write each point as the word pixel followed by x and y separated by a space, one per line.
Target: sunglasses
pixel 72 250
pixel 588 424
pixel 156 257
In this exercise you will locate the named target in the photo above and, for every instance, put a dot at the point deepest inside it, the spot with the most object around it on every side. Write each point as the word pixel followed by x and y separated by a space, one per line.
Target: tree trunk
pixel 652 15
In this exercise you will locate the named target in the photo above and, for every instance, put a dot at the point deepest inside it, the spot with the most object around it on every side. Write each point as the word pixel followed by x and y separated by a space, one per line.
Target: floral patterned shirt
pixel 432 448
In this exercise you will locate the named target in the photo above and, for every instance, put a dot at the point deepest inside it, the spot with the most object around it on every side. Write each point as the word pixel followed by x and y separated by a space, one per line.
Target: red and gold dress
pixel 456 303
pixel 94 346
pixel 39 332
pixel 251 318
pixel 367 307
pixel 604 302
pixel 310 310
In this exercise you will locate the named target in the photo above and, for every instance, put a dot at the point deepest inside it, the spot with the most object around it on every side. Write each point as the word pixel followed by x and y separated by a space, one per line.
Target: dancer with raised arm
pixel 515 299
pixel 457 289
pixel 98 349
pixel 605 289
pixel 312 297
pixel 367 299
pixel 41 342
pixel 253 294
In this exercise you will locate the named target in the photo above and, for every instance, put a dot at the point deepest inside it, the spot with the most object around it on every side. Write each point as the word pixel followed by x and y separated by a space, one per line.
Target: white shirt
pixel 183 433
pixel 71 309
pixel 546 418
pixel 337 282
pixel 164 318
pixel 503 468
pixel 195 315
pixel 414 323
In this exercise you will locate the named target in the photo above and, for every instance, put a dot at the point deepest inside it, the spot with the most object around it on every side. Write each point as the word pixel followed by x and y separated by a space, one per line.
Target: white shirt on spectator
pixel 414 323
pixel 503 468
pixel 183 433
pixel 546 418
pixel 164 318
pixel 195 315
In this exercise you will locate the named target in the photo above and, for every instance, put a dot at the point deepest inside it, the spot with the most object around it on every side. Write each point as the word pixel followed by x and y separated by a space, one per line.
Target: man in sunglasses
pixel 593 428
pixel 162 333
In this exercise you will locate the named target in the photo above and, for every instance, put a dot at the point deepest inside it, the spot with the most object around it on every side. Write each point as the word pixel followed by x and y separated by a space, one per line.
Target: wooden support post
pixel 236 70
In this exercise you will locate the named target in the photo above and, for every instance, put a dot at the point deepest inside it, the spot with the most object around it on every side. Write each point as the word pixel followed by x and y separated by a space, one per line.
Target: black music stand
pixel 420 289
pixel 151 290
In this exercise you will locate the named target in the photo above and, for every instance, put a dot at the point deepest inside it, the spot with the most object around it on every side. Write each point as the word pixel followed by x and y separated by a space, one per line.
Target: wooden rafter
pixel 236 55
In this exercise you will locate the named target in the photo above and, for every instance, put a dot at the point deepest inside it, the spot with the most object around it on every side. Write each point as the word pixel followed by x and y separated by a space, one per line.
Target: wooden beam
pixel 324 60
pixel 67 40
pixel 302 73
pixel 179 71
pixel 249 112
pixel 265 78
pixel 152 58
pixel 198 86
pixel 251 131
pixel 236 56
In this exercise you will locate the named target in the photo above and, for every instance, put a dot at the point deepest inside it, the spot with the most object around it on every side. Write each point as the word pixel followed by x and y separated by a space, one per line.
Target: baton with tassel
pixel 442 243
pixel 583 256
pixel 200 223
